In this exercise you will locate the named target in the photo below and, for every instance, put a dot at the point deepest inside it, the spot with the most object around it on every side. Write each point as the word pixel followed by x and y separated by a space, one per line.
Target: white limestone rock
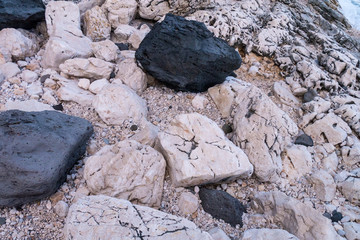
pixel 324 185
pixel 28 106
pixel 66 38
pixel 123 32
pixel 34 89
pixel 261 129
pixel 117 103
pixel 91 68
pixel 223 96
pixel 350 113
pixel 96 25
pixel 330 128
pixel 153 9
pixel 349 185
pixel 351 155
pixel 218 234
pixel 136 38
pixel 127 170
pixel 29 76
pixel 48 96
pixel 70 91
pixel 84 83
pixel 352 230
pixel 61 209
pixel 188 203
pixel 283 92
pixel 131 75
pixel 16 44
pixel 86 220
pixel 85 5
pixel 148 133
pixel 197 152
pixel 199 102
pixel 294 216
pixel 9 70
pixel 96 86
pixel 297 161
pixel 105 50
pixel 120 11
pixel 5 55
pixel 267 234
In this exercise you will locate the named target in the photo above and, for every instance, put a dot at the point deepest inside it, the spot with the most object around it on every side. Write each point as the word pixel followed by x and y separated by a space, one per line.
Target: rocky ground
pixel 300 75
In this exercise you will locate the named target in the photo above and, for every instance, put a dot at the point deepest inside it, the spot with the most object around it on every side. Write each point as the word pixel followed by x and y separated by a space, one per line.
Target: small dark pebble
pixel 58 107
pixel 112 75
pixel 305 140
pixel 43 78
pixel 327 215
pixel 122 46
pixel 2 220
pixel 227 128
pixel 106 141
pixel 309 96
pixel 134 127
pixel 336 216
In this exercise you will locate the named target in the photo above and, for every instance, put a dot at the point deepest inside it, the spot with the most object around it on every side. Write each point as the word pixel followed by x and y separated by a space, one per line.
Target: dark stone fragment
pixel 222 205
pixel 37 150
pixel 327 215
pixel 122 46
pixel 43 78
pixel 112 74
pixel 58 107
pixel 305 140
pixel 21 13
pixel 227 128
pixel 309 96
pixel 336 216
pixel 2 221
pixel 133 127
pixel 186 56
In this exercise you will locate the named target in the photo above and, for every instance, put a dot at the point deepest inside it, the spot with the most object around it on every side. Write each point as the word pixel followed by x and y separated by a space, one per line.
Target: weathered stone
pixel 16 43
pixel 91 68
pixel 218 234
pixel 21 14
pixel 29 76
pixel 147 135
pixel 305 140
pixel 61 209
pixel 350 113
pixel 131 75
pixel 267 234
pixel 70 91
pixel 197 152
pixel 109 104
pixel 98 85
pixel 96 25
pixel 127 170
pixel 138 36
pixel 153 9
pixel 105 50
pixel 324 185
pixel 86 221
pixel 194 62
pixel 34 89
pixel 352 230
pixel 283 92
pixel 262 130
pixel 9 69
pixel 84 83
pixel 188 203
pixel 123 32
pixel 330 128
pixel 351 155
pixel 29 172
pixel 222 205
pixel 297 161
pixel 120 12
pixel 294 216
pixel 309 95
pixel 318 105
pixel 85 5
pixel 27 106
pixel 223 96
pixel 350 185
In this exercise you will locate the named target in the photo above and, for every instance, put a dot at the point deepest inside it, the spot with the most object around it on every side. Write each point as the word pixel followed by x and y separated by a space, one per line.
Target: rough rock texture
pixel 193 62
pixel 28 106
pixel 37 149
pixel 109 104
pixel 21 14
pixel 120 12
pixel 222 205
pixel 197 152
pixel 294 216
pixel 105 50
pixel 153 9
pixel 9 69
pixel 16 43
pixel 92 68
pixel 86 220
pixel 297 161
pixel 96 25
pixel 188 203
pixel 267 234
pixel 350 185
pixel 131 75
pixel 324 185
pixel 70 91
pixel 66 38
pixel 127 170
pixel 262 130
pixel 352 230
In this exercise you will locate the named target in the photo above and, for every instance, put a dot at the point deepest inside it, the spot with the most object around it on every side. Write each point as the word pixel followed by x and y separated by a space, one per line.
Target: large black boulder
pixel 37 149
pixel 222 205
pixel 21 13
pixel 186 56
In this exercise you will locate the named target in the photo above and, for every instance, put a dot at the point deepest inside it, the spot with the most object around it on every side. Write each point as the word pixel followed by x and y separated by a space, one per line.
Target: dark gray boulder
pixel 186 56
pixel 305 140
pixel 37 149
pixel 21 13
pixel 222 205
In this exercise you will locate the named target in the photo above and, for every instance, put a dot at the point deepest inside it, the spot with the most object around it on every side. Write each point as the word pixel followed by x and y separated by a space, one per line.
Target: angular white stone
pixel 350 186
pixel 92 68
pixel 34 89
pixel 267 234
pixel 70 91
pixel 218 234
pixel 28 106
pixel 85 5
pixel 283 92
pixel 105 50
pixel 153 9
pixel 297 161
pixel 199 102
pixel 197 152
pixel 131 75
pixel 147 135
pixel 16 44
pixel 96 25
pixel 9 69
pixel 98 85
pixel 294 216
pixel 117 103
pixel 127 170
pixel 84 83
pixel 136 38
pixel 188 203
pixel 102 217
pixel 29 76
pixel 120 11
pixel 124 31
pixel 324 185
pixel 352 230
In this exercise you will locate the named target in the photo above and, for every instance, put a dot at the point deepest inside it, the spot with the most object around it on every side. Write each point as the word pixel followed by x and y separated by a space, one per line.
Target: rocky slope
pixel 280 141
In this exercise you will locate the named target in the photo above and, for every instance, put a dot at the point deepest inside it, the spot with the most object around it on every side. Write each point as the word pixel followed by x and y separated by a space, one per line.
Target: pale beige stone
pixel 131 75
pixel 105 50
pixel 96 25
pixel 120 11
pixel 188 203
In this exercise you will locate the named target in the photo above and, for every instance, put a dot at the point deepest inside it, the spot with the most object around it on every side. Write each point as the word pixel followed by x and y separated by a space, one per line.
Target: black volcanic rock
pixel 186 56
pixel 222 205
pixel 21 13
pixel 305 140
pixel 37 149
